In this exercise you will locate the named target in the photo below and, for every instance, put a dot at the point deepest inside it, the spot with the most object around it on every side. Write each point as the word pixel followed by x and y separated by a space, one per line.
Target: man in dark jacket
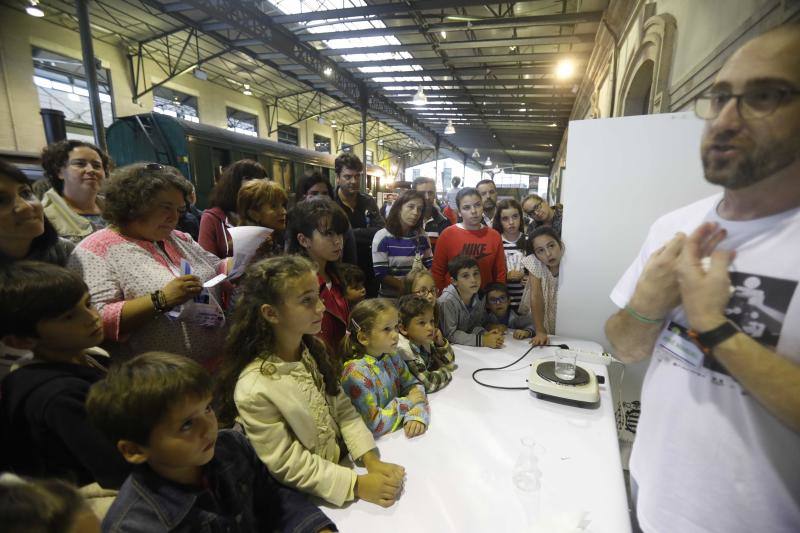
pixel 362 211
pixel 435 222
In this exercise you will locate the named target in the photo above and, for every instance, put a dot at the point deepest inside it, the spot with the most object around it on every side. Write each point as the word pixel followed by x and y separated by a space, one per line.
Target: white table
pixel 458 474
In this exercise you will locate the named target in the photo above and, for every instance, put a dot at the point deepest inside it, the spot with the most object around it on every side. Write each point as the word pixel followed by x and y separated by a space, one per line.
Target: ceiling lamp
pixel 33 9
pixel 476 154
pixel 247 91
pixel 488 161
pixel 449 129
pixel 327 71
pixel 565 69
pixel 333 124
pixel 443 34
pixel 419 97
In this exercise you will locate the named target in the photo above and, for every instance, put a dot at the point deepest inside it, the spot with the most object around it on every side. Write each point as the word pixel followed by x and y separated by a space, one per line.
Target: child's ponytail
pixel 362 320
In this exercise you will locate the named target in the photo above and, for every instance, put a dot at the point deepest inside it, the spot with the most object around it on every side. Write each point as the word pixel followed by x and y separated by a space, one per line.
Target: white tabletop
pixel 459 473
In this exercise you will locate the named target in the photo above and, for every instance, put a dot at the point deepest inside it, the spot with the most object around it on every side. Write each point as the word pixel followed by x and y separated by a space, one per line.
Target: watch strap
pixel 709 339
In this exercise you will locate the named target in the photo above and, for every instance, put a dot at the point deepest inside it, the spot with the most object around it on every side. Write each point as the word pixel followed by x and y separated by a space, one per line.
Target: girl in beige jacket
pixel 281 384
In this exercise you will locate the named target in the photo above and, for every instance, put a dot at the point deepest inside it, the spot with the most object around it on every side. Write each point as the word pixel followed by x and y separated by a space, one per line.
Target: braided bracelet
pixel 159 300
pixel 642 319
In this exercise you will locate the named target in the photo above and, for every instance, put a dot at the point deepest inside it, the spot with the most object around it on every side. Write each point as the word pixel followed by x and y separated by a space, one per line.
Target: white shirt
pixel 708 456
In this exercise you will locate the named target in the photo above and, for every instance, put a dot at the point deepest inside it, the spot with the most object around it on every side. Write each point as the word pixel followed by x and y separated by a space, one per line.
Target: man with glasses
pixel 718 313
pixel 434 221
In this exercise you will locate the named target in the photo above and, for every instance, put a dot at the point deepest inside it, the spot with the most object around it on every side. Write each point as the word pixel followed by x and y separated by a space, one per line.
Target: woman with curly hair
pixel 221 212
pixel 137 272
pixel 76 171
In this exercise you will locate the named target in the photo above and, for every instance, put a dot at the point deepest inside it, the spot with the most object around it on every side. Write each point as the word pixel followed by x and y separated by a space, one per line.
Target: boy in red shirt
pixel 471 238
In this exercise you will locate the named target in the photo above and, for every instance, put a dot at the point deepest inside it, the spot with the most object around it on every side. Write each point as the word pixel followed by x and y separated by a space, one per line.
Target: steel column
pixel 90 69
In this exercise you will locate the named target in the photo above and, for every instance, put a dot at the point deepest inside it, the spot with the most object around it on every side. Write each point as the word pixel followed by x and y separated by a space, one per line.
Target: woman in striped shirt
pixel 510 224
pixel 400 244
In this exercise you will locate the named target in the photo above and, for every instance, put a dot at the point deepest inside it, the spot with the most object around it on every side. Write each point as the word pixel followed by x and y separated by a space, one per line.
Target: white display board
pixel 622 174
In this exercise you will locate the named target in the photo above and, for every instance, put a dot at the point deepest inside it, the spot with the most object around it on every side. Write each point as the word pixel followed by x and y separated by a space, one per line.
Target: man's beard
pixel 751 166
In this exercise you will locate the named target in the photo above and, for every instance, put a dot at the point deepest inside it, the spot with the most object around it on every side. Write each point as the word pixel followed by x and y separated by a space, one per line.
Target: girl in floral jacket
pixel 376 378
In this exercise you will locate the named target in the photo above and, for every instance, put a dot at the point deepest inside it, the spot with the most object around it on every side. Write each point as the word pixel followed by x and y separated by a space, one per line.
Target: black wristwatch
pixel 709 339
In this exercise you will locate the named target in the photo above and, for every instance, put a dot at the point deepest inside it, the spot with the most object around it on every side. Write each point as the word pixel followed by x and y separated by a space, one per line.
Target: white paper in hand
pixel 246 240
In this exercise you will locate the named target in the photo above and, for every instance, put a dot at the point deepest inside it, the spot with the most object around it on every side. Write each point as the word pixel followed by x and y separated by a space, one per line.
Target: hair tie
pixel 356 327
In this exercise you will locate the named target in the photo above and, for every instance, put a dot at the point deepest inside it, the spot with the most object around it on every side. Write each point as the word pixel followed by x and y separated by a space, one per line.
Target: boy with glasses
pixel 501 314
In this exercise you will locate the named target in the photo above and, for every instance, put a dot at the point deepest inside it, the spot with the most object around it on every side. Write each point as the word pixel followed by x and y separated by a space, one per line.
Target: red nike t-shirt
pixel 484 245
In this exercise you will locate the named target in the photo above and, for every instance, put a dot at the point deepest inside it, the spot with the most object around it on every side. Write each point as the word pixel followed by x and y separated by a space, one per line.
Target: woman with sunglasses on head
pixel 76 171
pixel 145 277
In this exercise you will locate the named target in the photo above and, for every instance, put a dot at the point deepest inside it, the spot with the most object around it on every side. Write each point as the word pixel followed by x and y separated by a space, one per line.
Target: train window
pixel 288 135
pixel 175 104
pixel 242 122
pixel 220 158
pixel 61 84
pixel 369 157
pixel 322 144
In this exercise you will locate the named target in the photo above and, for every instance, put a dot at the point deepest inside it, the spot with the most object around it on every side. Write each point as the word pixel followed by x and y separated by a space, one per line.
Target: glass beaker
pixel 526 474
pixel 565 364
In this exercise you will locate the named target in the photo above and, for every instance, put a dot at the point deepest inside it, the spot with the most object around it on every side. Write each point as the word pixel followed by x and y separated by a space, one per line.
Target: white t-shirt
pixel 707 456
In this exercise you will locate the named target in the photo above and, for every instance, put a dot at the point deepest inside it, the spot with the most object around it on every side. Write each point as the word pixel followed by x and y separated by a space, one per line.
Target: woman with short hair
pixel 262 203
pixel 76 171
pixel 144 277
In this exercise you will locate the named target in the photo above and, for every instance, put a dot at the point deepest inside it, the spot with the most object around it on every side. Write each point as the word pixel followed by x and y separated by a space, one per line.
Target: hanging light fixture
pixel 247 91
pixel 476 154
pixel 34 10
pixel 333 124
pixel 419 97
pixel 449 129
pixel 488 161
pixel 565 69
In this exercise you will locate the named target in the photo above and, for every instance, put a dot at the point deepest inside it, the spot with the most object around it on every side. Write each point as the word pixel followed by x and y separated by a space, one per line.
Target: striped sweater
pixel 394 256
pixel 514 252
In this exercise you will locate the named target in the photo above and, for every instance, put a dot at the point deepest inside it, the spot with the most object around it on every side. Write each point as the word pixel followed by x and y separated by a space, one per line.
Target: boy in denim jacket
pixel 187 476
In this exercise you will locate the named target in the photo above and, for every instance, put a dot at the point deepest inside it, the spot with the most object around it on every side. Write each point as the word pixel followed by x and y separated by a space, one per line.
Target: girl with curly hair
pixel 279 381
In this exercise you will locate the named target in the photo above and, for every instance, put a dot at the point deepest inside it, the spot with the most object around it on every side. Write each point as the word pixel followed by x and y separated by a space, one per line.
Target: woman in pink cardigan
pixel 144 277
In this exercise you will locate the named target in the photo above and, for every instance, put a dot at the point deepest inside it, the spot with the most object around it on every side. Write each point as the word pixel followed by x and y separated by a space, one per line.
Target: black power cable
pixel 562 346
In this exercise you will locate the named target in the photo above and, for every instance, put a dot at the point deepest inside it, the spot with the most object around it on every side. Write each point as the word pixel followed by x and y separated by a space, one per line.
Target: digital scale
pixel 583 388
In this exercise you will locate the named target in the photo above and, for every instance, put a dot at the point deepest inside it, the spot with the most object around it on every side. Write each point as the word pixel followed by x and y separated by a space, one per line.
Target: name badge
pixel 675 341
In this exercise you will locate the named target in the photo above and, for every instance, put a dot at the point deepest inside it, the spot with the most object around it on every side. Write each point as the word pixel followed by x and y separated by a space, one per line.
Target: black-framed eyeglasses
pixel 754 103
pixel 154 166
